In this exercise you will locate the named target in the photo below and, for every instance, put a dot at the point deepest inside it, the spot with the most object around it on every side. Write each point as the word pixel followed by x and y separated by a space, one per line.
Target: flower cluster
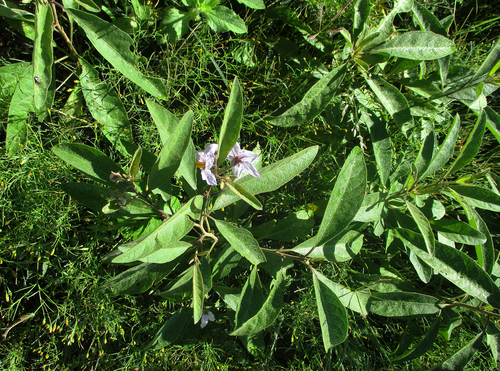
pixel 241 162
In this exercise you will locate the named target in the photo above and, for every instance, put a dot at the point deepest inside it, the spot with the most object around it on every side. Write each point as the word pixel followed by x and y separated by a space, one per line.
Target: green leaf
pixel 222 19
pixel 175 24
pixel 164 253
pixel 227 259
pixel 89 5
pixel 15 13
pixel 372 207
pixel 43 60
pixel 231 125
pixel 166 123
pixel 254 4
pixel 471 147
pixel 458 231
pixel 272 176
pixel 314 101
pixel 417 45
pixel 346 197
pixel 493 122
pixel 493 340
pixel 456 266
pixel 268 313
pixel 403 304
pixel 172 153
pixel 297 225
pixel 198 293
pixel 445 150
pixel 20 105
pixel 134 164
pixel 89 161
pixel 137 279
pixel 491 63
pixel 478 197
pixel 343 247
pixel 450 321
pixel 114 45
pixel 242 241
pixel 423 226
pixel 176 331
pixel 244 194
pixel 361 14
pixel 332 314
pixel 426 153
pixel 169 232
pixel 393 101
pixel 422 347
pixel 251 299
pixel 460 359
pixel 423 270
pixel 105 106
pixel 180 288
pixel 382 146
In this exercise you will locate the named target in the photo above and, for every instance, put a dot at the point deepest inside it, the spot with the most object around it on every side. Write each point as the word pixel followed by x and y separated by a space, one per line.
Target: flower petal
pixel 250 169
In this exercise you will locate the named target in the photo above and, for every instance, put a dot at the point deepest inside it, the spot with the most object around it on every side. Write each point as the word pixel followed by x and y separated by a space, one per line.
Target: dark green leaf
pixel 227 259
pixel 423 226
pixel 198 293
pixel 403 304
pixel 361 14
pixel 297 225
pixel 176 330
pixel 491 63
pixel 478 197
pixel 314 101
pixel 493 340
pixel 460 359
pixel 422 347
pixel 272 176
pixel 251 299
pixel 426 153
pixel 450 321
pixel 493 122
pixel 458 231
pixel 332 313
pixel 242 241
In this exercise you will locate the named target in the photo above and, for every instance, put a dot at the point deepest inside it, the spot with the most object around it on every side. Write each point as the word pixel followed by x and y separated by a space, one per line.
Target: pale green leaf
pixel 198 293
pixel 222 19
pixel 231 124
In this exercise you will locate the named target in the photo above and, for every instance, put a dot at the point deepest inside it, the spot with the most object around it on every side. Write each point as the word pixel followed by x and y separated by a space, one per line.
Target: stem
pixel 72 51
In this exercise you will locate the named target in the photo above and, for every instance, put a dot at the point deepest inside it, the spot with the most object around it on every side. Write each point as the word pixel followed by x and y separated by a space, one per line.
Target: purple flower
pixel 242 161
pixel 205 160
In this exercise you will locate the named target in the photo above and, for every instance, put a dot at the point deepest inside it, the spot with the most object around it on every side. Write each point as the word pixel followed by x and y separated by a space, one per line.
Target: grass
pixel 53 248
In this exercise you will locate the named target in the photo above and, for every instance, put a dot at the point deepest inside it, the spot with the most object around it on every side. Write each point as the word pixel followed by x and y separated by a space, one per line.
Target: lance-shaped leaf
pixel 227 259
pixel 456 266
pixel 471 147
pixel 393 101
pixel 450 321
pixel 382 146
pixel 458 231
pixel 427 151
pixel 423 226
pixel 429 22
pixel 231 124
pixel 198 293
pixel 20 105
pixel 314 101
pixel 493 122
pixel 355 300
pixel 242 241
pixel 180 288
pixel 89 161
pixel 417 45
pixel 460 359
pixel 403 304
pixel 254 4
pixel 343 247
pixel 134 164
pixel 478 197
pixel 43 59
pixel 490 64
pixel 422 347
pixel 105 106
pixel 251 299
pixel 332 314
pixel 423 270
pixel 222 19
pixel 445 150
pixel 164 253
pixel 114 45
pixel 244 194
pixel 346 197
pixel 172 153
pixel 176 331
pixel 268 313
pixel 169 232
pixel 493 340
pixel 361 14
pixel 272 176
pixel 166 123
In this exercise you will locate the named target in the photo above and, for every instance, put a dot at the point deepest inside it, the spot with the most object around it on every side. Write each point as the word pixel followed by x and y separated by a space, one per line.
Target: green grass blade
pixel 346 197
pixel 242 241
pixel 231 125
pixel 172 153
pixel 445 150
pixel 314 101
pixel 105 106
pixel 471 147
pixel 332 313
pixel 114 45
pixel 269 311
pixel 272 176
